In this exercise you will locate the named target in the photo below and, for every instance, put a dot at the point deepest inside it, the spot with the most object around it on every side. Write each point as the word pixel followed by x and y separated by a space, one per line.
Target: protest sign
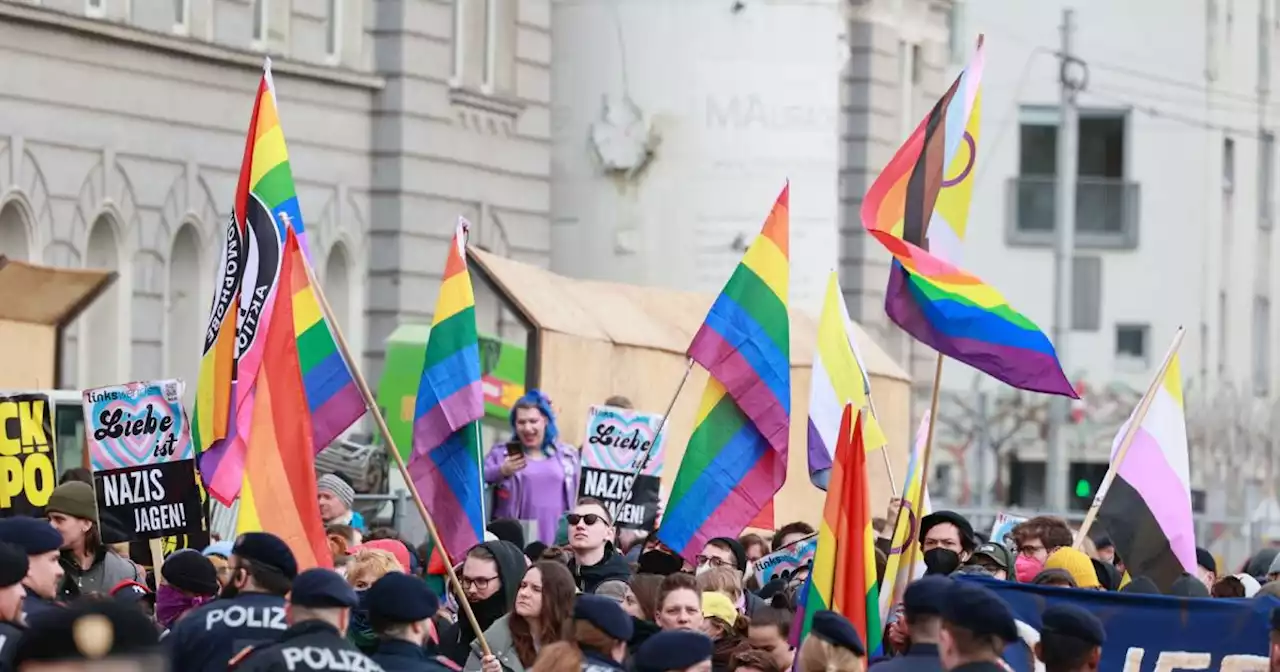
pixel 1149 632
pixel 28 473
pixel 143 461
pixel 784 562
pixel 1002 529
pixel 616 440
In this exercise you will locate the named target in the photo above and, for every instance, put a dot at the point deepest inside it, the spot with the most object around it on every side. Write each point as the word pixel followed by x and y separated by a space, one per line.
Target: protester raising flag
pixel 736 458
pixel 918 208
pixel 1145 501
pixel 278 492
pixel 445 465
pixel 843 578
pixel 838 378
pixel 903 549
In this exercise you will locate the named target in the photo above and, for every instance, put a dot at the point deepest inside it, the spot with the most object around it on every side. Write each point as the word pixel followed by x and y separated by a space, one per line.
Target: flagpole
pixel 372 407
pixel 914 540
pixel 1132 431
pixel 643 461
pixel 884 452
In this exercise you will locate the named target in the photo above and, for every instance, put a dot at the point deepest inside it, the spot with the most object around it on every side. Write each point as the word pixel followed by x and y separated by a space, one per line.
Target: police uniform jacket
pixel 309 645
pixel 208 636
pixel 981 667
pixel 33 605
pixel 919 658
pixel 10 634
pixel 397 655
pixel 596 662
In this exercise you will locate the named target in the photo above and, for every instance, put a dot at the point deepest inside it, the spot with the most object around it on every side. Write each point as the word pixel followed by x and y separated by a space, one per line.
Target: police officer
pixel 1071 639
pixel 835 630
pixel 400 610
pixel 319 608
pixel 976 626
pixel 252 609
pixel 674 650
pixel 922 611
pixel 13 569
pixel 44 572
pixel 92 632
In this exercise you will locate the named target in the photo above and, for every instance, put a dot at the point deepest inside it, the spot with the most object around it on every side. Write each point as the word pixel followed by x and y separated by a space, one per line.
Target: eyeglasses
pixel 713 561
pixel 480 583
pixel 589 518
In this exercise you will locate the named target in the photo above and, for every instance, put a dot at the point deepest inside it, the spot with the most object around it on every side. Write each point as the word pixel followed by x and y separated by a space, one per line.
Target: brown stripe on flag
pixel 1138 538
pixel 926 177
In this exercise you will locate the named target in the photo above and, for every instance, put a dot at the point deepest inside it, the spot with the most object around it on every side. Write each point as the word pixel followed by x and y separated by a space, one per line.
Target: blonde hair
pixel 370 564
pixel 819 655
pixel 724 580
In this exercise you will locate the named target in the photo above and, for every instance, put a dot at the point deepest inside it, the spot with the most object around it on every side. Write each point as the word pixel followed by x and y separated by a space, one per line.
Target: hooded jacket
pixel 455 641
pixel 611 567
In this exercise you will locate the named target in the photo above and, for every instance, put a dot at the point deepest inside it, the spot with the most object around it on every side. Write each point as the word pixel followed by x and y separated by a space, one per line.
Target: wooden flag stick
pixel 914 541
pixel 642 461
pixel 372 407
pixel 1134 423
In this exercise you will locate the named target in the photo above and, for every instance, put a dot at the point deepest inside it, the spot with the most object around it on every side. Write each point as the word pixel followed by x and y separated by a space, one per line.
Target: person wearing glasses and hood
pixel 595 560
pixel 534 475
pixel 490 576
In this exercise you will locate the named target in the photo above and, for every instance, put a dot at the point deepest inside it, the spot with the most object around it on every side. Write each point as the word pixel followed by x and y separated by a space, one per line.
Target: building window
pixel 97 8
pixel 1266 178
pixel 1106 202
pixel 1086 294
pixel 1228 165
pixel 957 47
pixel 333 36
pixel 1261 346
pixel 484 45
pixel 181 16
pixel 917 64
pixel 260 9
pixel 1131 346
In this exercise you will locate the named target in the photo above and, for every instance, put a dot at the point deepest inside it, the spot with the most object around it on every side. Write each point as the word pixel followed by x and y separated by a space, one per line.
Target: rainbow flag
pixel 736 459
pixel 903 549
pixel 838 379
pixel 278 488
pixel 843 578
pixel 918 208
pixel 211 415
pixel 266 207
pixel 445 465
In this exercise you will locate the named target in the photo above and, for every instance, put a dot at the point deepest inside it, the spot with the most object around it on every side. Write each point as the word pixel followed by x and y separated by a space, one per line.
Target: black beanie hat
pixel 190 571
pixel 735 547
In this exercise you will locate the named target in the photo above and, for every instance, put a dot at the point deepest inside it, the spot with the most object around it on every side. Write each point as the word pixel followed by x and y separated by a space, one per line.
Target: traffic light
pixel 1087 478
pixel 1084 488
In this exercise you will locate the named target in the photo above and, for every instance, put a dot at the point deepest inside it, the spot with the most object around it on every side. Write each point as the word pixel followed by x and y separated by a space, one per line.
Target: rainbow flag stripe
pixel 844 566
pixel 736 459
pixel 918 208
pixel 332 396
pixel 445 464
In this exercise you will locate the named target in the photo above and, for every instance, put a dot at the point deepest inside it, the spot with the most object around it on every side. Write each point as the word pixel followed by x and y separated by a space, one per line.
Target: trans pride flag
pixel 918 208
pixel 736 459
pixel 844 567
pixel 445 465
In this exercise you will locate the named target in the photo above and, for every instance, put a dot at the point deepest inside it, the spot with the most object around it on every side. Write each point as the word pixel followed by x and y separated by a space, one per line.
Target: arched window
pixel 337 287
pixel 102 322
pixel 186 307
pixel 14 241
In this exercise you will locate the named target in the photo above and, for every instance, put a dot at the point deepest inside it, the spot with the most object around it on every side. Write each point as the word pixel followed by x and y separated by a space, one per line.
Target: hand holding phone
pixel 515 460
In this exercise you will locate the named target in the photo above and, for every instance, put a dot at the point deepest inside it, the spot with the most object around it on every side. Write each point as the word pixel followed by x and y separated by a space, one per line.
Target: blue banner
pixel 1150 632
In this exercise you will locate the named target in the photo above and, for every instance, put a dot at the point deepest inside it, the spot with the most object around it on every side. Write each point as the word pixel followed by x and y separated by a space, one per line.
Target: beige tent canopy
pixel 38 302
pixel 595 339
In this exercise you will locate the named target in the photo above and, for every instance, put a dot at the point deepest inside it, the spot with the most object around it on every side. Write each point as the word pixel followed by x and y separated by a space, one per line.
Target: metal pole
pixel 1063 254
pixel 983 444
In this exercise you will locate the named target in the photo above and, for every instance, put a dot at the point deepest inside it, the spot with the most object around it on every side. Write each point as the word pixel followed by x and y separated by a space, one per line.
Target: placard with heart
pixel 617 437
pixel 136 424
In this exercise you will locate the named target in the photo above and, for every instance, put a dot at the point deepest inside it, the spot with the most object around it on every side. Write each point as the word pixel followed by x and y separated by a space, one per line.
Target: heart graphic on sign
pixel 138 447
pixel 613 457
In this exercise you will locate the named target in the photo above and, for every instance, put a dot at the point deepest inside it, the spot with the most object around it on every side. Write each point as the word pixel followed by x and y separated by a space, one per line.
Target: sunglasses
pixel 589 518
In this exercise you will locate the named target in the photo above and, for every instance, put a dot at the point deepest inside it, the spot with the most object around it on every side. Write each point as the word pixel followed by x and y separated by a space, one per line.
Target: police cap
pixel 13 564
pixel 34 535
pixel 87 630
pixel 672 650
pixel 925 596
pixel 267 549
pixel 320 588
pixel 1073 621
pixel 837 629
pixel 606 615
pixel 400 598
pixel 979 610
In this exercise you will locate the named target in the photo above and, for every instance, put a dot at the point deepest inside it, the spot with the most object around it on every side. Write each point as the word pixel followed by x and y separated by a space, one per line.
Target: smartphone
pixel 515 448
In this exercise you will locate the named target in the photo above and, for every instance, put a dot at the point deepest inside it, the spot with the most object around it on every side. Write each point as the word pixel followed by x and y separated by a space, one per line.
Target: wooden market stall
pixel 589 340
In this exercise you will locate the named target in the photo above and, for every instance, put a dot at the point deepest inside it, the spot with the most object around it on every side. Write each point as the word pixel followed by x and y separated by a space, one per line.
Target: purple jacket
pixel 511 501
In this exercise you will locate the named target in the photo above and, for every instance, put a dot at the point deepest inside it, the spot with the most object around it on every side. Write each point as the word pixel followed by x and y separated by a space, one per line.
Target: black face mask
pixel 659 562
pixel 941 561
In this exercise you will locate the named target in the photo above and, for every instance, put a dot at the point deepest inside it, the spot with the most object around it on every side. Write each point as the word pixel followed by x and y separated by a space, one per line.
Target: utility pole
pixel 1056 464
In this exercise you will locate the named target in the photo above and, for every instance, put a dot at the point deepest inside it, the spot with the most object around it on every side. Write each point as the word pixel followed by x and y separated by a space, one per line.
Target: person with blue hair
pixel 534 475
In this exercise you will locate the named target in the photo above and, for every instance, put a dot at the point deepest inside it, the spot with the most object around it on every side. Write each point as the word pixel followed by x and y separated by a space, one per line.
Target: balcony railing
pixel 1106 211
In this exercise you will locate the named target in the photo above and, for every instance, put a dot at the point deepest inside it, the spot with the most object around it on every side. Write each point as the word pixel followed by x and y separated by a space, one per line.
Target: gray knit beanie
pixel 339 488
